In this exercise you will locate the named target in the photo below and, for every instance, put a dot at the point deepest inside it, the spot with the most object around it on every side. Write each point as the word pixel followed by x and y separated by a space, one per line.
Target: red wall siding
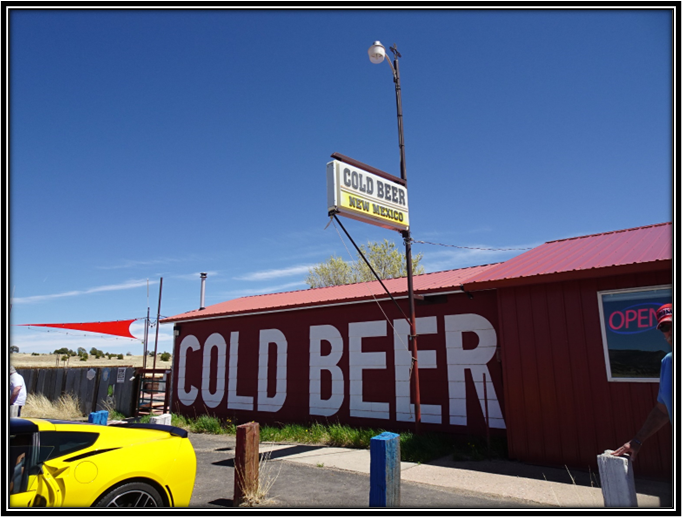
pixel 378 385
pixel 560 407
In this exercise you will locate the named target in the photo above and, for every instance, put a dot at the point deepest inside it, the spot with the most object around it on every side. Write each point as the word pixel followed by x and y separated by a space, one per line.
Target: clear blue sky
pixel 164 143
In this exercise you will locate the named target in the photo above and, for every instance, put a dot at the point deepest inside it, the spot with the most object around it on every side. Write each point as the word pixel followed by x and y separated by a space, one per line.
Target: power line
pixel 470 247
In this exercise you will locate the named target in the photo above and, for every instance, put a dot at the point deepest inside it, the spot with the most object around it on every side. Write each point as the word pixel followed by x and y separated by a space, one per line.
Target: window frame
pixel 602 324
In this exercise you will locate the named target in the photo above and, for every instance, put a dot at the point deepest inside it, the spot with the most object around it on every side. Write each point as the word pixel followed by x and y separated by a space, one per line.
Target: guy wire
pixel 372 270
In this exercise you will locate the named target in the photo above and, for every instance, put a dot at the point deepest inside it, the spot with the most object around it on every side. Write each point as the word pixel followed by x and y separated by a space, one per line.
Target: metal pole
pixel 487 418
pixel 146 336
pixel 158 317
pixel 203 291
pixel 408 256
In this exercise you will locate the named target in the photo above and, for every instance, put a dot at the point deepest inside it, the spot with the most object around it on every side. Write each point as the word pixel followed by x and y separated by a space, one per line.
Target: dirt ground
pixel 50 361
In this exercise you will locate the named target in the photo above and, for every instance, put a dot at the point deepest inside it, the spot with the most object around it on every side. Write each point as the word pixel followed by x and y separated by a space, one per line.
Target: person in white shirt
pixel 17 389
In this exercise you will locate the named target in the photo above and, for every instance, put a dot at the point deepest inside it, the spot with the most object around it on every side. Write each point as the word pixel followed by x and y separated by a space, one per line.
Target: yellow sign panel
pixel 371 208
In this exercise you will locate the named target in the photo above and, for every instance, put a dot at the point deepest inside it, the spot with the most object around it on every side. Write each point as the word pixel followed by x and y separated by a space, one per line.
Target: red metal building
pixel 560 405
pixel 558 381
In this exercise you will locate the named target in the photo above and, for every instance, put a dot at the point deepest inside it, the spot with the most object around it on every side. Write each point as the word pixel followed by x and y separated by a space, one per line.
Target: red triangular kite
pixel 114 328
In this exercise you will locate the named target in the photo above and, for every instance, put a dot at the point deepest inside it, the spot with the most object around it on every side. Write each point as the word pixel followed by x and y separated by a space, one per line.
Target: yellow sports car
pixel 70 464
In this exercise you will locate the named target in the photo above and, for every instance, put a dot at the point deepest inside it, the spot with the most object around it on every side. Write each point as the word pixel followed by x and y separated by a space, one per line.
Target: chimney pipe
pixel 203 291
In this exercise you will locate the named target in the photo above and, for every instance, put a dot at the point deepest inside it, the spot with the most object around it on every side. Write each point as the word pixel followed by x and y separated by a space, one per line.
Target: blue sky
pixel 165 143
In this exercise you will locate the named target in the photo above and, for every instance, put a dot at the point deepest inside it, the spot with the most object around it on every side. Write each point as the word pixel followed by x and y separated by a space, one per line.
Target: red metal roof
pixel 430 282
pixel 631 247
pixel 590 254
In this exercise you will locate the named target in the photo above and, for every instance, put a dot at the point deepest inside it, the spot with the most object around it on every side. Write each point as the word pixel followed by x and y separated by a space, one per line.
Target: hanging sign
pixel 366 196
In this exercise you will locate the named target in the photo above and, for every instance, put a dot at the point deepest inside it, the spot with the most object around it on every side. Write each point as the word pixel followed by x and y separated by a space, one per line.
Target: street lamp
pixel 377 53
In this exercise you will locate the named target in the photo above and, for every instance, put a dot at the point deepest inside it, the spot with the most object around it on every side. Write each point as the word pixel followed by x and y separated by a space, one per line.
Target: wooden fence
pixel 95 387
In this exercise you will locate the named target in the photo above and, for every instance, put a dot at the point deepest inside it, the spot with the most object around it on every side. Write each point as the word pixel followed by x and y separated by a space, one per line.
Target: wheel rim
pixel 133 499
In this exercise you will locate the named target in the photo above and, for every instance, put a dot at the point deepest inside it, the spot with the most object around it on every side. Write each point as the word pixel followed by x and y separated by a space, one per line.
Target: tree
pixel 96 353
pixel 14 349
pixel 386 260
pixel 335 271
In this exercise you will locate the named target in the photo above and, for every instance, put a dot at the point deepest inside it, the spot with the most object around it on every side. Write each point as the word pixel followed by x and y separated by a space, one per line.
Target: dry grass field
pixel 50 361
pixel 65 408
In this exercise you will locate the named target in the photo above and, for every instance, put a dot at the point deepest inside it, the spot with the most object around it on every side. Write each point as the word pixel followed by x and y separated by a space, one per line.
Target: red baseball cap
pixel 664 313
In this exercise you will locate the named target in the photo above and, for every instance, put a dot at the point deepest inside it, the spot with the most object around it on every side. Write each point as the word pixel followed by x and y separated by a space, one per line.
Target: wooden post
pixel 384 470
pixel 246 462
pixel 617 480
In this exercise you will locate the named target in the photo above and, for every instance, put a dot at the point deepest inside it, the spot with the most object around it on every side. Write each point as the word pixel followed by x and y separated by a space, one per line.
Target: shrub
pixel 119 357
pixel 39 406
pixel 165 357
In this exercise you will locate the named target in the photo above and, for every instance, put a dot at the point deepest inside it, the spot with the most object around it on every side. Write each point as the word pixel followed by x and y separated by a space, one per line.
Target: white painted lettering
pixel 318 362
pixel 476 361
pixel 217 341
pixel 186 397
pixel 219 377
pixel 359 361
pixel 274 403
pixel 235 401
pixel 430 413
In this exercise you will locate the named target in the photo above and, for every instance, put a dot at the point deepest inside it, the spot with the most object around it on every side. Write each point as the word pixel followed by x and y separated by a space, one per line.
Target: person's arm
pixel 15 394
pixel 657 418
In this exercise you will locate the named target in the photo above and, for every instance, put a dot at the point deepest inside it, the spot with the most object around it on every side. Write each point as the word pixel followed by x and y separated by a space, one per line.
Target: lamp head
pixel 376 52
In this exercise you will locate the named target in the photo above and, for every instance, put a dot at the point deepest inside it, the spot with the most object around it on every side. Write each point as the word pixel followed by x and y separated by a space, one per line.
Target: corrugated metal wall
pixel 92 391
pixel 560 407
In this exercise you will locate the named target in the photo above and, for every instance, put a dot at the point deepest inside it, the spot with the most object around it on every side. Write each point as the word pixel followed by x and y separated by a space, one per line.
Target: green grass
pixel 335 435
pixel 203 424
pixel 414 448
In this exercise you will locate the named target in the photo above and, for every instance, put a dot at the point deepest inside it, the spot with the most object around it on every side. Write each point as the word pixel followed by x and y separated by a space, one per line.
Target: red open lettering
pixel 644 318
pixel 622 320
pixel 630 316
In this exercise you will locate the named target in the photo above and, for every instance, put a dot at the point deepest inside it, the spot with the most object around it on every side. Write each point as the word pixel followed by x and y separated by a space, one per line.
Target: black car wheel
pixel 131 495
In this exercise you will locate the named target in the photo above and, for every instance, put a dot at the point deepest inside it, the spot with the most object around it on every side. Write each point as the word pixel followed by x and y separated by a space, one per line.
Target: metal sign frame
pixel 367 194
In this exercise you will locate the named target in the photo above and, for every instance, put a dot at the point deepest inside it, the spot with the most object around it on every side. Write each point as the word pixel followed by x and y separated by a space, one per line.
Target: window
pixel 633 348
pixel 54 444
pixel 19 462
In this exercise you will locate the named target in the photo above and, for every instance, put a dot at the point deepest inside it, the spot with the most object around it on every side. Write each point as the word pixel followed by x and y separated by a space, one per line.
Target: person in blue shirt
pixel 662 410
